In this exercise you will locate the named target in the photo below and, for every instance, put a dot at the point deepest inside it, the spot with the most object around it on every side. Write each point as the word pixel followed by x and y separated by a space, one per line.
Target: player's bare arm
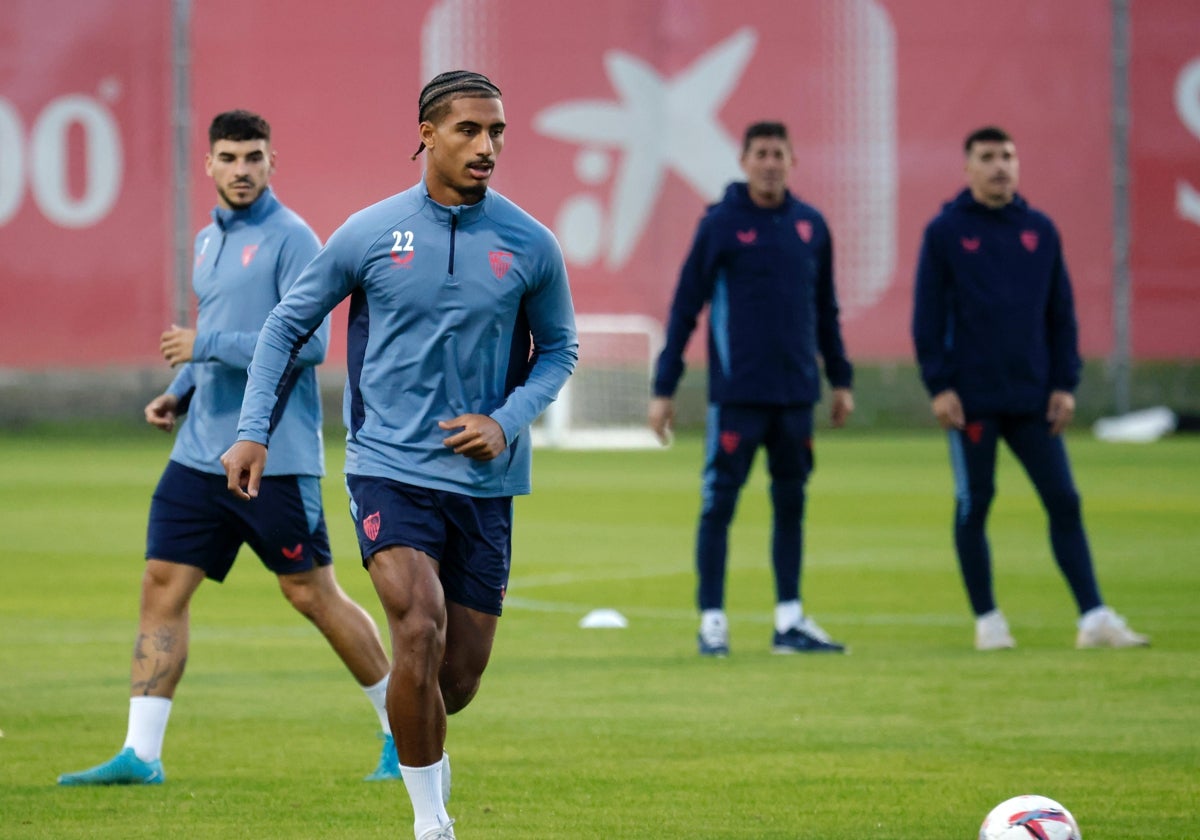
pixel 948 410
pixel 177 344
pixel 162 411
pixel 480 437
pixel 244 463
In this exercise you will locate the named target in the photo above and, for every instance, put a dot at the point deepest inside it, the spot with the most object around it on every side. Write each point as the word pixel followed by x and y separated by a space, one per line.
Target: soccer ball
pixel 1029 817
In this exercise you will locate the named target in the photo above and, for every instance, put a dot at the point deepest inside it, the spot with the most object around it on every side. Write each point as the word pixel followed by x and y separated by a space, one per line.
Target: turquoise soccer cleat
pixel 125 768
pixel 389 763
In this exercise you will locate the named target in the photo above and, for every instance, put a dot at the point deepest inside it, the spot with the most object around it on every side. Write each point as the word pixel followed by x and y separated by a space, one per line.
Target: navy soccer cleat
pixel 807 637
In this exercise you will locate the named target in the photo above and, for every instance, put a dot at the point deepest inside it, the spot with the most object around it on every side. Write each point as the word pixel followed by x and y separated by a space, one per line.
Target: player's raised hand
pixel 162 411
pixel 480 438
pixel 244 463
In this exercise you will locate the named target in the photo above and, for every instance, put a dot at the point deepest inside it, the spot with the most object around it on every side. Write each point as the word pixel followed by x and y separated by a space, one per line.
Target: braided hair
pixel 446 87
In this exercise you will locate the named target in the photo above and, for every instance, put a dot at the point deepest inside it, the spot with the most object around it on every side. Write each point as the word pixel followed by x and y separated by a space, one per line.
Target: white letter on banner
pixel 103 155
pixel 12 162
pixel 1187 105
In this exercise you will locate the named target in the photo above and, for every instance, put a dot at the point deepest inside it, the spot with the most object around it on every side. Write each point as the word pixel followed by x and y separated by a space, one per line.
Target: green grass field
pixel 627 733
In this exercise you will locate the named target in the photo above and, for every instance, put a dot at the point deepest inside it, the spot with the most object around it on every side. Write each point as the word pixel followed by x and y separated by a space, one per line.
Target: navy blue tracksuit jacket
pixel 993 315
pixel 767 275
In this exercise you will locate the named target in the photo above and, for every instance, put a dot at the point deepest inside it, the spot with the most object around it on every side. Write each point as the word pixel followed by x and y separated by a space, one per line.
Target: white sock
pixel 425 790
pixel 713 618
pixel 1093 616
pixel 377 694
pixel 787 615
pixel 147 726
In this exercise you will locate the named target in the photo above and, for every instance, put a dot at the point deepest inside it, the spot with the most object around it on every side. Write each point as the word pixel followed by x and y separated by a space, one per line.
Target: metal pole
pixel 1122 369
pixel 181 125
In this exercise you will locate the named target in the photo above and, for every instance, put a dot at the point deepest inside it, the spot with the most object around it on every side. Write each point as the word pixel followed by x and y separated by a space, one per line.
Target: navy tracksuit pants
pixel 1044 458
pixel 734 434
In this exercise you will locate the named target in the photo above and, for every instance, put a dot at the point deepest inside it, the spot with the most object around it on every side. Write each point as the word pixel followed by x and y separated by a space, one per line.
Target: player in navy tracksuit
pixel 763 263
pixel 996 340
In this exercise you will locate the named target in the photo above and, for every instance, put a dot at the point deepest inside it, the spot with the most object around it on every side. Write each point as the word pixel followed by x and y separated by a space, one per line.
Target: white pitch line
pixel 764 617
pixel 605 574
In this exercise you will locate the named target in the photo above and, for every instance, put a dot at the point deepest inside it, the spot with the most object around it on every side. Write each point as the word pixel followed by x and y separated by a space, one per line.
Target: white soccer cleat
pixel 1101 627
pixel 713 638
pixel 991 632
pixel 438 832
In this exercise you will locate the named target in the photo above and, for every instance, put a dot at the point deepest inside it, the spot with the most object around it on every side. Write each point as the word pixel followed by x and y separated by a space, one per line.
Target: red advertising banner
pixel 625 120
pixel 85 227
pixel 1165 187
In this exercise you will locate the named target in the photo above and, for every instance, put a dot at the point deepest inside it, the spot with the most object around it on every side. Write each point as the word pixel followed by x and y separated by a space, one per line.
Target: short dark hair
pixel 764 129
pixel 987 134
pixel 238 125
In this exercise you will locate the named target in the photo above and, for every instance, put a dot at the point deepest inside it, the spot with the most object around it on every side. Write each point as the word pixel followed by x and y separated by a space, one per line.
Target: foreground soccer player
pixel 244 262
pixel 762 261
pixel 446 281
pixel 996 340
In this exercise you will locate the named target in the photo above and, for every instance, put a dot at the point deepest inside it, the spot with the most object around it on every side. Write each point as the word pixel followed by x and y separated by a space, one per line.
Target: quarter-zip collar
pixel 458 216
pixel 227 219
pixel 465 214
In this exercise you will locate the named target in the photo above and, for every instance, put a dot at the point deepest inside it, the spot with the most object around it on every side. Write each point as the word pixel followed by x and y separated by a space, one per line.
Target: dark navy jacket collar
pixel 738 195
pixel 965 201
pixel 262 207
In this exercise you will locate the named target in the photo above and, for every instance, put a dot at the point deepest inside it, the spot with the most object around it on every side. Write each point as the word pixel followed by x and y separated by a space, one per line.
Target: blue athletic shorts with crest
pixel 195 520
pixel 469 537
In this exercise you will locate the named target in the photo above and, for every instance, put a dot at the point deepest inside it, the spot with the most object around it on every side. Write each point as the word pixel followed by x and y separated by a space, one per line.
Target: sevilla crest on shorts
pixel 370 525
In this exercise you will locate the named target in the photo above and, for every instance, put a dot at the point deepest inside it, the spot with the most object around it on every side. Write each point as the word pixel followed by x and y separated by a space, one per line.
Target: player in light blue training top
pixel 461 332
pixel 244 263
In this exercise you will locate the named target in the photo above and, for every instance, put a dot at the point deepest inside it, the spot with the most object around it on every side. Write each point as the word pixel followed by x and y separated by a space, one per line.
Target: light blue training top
pixel 244 263
pixel 444 303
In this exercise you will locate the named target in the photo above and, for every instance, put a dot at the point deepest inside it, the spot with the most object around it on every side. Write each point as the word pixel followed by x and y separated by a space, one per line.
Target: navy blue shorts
pixel 469 537
pixel 195 520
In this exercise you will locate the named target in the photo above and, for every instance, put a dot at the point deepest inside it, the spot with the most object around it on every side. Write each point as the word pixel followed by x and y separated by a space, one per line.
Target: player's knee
pixel 788 497
pixel 719 505
pixel 971 508
pixel 458 692
pixel 419 634
pixel 1063 506
pixel 167 587
pixel 459 683
pixel 302 594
